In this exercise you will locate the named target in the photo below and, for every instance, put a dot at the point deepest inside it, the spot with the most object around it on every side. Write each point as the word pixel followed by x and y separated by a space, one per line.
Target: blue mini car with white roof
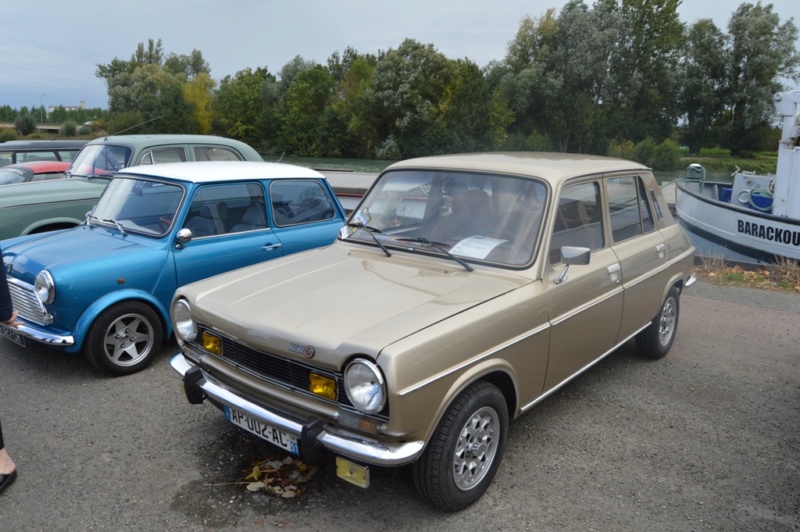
pixel 104 287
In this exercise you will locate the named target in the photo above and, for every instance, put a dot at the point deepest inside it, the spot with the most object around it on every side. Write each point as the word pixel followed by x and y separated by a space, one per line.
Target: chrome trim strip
pixel 473 360
pixel 350 445
pixel 588 305
pixel 555 388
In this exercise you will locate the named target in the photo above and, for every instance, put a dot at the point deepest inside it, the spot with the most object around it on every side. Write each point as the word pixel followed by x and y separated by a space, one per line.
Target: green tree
pixel 198 93
pixel 25 124
pixel 702 76
pixel 301 111
pixel 408 86
pixel 348 125
pixel 761 51
pixel 238 106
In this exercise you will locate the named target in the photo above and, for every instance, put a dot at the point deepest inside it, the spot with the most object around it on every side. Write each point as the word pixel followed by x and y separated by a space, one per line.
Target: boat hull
pixel 737 232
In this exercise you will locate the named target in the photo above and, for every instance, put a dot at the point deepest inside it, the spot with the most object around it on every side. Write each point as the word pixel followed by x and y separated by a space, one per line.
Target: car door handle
pixel 660 249
pixel 613 272
pixel 270 247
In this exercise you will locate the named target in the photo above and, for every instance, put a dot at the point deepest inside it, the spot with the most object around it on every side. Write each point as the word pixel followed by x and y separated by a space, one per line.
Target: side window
pixel 221 209
pixel 299 201
pixel 67 155
pixel 629 208
pixel 579 220
pixel 172 154
pixel 215 153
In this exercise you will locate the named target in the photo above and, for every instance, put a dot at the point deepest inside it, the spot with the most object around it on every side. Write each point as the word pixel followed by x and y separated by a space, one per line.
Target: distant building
pixel 82 105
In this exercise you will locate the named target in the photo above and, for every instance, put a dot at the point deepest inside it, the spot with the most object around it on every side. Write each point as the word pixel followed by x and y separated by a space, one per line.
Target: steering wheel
pixel 164 223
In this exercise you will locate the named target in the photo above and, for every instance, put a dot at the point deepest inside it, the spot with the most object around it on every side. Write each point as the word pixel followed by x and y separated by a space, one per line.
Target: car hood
pixel 341 300
pixel 60 190
pixel 71 251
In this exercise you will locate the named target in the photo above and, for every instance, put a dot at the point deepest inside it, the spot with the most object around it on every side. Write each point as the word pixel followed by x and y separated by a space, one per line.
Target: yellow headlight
pixel 211 343
pixel 322 386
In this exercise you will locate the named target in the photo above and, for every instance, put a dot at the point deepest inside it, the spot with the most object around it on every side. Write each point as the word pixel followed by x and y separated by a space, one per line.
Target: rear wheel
pixel 465 450
pixel 655 341
pixel 124 338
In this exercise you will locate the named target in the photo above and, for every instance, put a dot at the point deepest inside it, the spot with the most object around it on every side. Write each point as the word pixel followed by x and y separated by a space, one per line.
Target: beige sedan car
pixel 463 290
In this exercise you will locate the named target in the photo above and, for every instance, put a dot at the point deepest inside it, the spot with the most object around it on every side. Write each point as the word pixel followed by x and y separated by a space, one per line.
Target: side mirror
pixel 572 255
pixel 183 237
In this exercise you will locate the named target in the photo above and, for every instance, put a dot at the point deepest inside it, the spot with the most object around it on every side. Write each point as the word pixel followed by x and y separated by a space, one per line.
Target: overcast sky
pixel 49 50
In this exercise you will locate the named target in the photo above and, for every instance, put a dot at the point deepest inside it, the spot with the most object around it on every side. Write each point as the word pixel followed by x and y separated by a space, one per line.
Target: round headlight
pixel 185 326
pixel 44 287
pixel 365 387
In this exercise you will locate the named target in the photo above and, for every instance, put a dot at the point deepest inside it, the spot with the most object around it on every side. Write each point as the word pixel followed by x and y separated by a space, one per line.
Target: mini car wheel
pixel 655 341
pixel 124 338
pixel 465 450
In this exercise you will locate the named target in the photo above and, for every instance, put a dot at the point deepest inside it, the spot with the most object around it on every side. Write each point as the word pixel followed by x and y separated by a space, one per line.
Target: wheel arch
pixel 89 316
pixel 52 224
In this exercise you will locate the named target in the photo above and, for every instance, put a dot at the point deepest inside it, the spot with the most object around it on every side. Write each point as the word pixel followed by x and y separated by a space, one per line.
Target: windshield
pixel 138 205
pixel 9 175
pixel 100 160
pixel 477 217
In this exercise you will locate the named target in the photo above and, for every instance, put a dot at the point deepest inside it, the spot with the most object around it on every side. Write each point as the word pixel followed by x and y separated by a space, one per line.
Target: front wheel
pixel 465 450
pixel 655 341
pixel 124 338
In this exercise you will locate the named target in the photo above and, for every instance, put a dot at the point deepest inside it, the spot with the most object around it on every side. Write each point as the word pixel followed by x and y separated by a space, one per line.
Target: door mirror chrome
pixel 572 255
pixel 183 237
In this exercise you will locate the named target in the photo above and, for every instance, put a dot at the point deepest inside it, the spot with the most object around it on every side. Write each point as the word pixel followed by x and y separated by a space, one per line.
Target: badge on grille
pixel 305 350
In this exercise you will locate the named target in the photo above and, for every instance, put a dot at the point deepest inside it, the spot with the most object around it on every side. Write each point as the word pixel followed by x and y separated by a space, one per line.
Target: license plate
pixel 12 334
pixel 263 430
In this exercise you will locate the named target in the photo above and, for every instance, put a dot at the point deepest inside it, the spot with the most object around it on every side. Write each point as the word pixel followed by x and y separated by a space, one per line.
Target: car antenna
pixel 136 125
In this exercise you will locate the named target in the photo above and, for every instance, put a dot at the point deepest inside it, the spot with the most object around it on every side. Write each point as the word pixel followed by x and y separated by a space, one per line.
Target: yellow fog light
pixel 211 343
pixel 322 386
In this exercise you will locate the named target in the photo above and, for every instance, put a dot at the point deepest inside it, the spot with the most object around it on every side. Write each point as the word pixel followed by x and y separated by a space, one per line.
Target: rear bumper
pixel 313 434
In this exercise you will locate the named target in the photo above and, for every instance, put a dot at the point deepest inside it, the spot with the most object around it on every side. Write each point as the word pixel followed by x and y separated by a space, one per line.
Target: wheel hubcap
pixel 128 340
pixel 475 448
pixel 666 326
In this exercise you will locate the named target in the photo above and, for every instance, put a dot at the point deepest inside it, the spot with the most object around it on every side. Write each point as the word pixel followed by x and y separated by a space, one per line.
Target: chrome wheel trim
pixel 476 448
pixel 128 340
pixel 667 320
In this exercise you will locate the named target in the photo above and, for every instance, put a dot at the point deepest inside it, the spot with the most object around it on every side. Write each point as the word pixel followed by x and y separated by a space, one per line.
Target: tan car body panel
pixel 433 327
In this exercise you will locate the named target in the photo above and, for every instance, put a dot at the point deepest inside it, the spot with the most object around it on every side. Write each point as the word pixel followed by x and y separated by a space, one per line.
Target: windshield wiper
pixel 113 221
pixel 437 246
pixel 371 230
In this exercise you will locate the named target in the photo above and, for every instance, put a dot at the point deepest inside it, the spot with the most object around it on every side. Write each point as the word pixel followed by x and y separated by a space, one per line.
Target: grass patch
pixel 783 276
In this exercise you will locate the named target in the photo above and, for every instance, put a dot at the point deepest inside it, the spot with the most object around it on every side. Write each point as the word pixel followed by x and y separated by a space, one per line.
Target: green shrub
pixel 25 124
pixel 621 149
pixel 645 152
pixel 7 134
pixel 68 129
pixel 667 156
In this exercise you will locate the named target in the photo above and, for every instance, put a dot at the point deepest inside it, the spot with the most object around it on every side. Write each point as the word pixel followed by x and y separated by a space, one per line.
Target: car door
pixel 640 248
pixel 585 308
pixel 303 212
pixel 221 238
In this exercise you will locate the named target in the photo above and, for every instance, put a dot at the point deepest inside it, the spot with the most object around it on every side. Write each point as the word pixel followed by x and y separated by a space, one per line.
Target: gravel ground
pixel 707 438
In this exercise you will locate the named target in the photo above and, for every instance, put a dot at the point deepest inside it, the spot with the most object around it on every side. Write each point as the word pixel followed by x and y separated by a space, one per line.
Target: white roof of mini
pixel 217 171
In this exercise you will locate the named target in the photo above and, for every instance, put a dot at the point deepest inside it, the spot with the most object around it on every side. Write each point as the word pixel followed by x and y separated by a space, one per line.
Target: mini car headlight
pixel 44 287
pixel 185 326
pixel 365 386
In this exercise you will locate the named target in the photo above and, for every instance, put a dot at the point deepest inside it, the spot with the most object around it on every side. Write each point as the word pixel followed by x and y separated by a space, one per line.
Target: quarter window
pixel 299 202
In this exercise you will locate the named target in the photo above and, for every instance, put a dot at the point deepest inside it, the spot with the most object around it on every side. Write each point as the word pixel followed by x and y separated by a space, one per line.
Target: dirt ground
pixel 707 438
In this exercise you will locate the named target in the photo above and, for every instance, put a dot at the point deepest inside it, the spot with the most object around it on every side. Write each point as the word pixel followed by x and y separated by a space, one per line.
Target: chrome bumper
pixel 45 337
pixel 311 433
pixel 691 280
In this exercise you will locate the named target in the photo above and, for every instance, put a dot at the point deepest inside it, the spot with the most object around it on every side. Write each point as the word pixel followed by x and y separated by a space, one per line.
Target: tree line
pixel 619 77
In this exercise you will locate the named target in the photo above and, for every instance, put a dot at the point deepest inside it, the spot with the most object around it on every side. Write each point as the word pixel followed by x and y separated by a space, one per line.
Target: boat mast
pixel 787 179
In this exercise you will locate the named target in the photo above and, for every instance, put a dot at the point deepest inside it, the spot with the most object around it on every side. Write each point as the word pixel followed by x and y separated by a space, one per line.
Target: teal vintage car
pixel 28 208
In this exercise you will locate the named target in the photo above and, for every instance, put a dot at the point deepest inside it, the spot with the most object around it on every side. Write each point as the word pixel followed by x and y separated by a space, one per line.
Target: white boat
pixel 757 217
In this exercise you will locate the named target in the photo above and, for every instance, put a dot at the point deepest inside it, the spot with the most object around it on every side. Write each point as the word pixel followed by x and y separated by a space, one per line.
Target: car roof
pixel 216 171
pixel 138 142
pixel 553 167
pixel 31 145
pixel 42 166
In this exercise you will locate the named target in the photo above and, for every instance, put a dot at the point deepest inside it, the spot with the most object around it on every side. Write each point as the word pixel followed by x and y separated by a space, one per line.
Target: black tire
pixel 124 338
pixel 450 476
pixel 655 341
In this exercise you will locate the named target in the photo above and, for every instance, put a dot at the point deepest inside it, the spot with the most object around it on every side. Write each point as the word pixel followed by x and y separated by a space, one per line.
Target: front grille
pixel 277 369
pixel 26 303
